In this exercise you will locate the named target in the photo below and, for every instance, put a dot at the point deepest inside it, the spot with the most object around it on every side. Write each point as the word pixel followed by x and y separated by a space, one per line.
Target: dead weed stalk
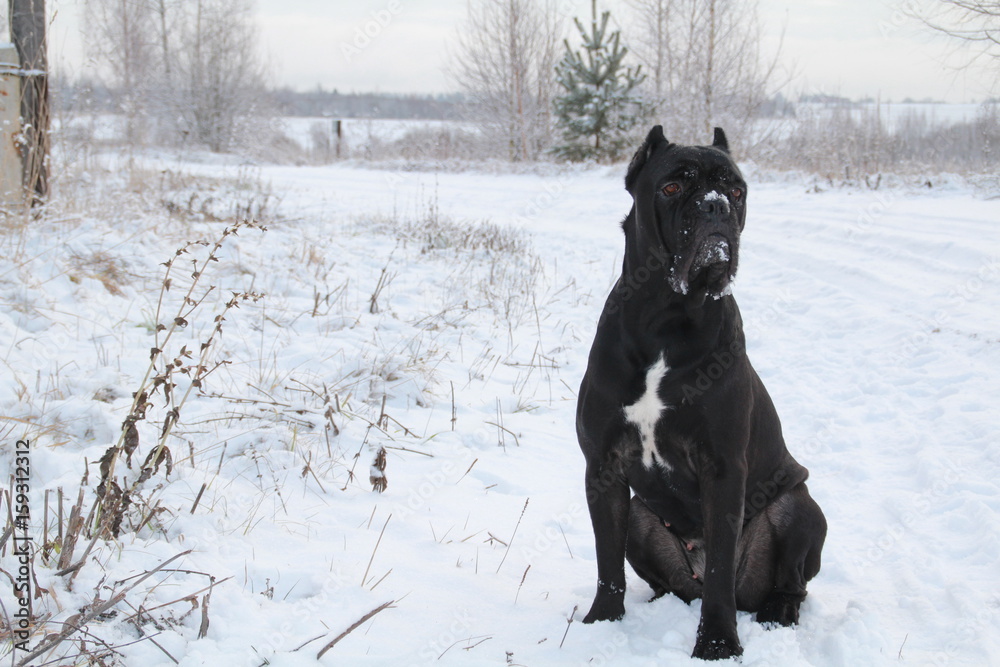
pixel 113 499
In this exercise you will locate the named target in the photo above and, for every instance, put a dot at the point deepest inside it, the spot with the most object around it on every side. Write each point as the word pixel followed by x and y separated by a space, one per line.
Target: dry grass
pixel 80 535
pixel 857 144
pixel 166 365
pixel 102 266
pixel 294 413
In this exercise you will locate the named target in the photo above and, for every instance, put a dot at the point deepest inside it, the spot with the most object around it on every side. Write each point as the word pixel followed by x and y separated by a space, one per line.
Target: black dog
pixel 671 407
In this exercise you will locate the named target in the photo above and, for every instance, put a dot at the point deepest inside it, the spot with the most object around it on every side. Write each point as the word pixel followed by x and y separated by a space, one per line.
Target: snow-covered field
pixel 360 132
pixel 871 316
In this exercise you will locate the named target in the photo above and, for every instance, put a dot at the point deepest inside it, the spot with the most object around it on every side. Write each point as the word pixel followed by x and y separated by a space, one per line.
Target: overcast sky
pixel 852 48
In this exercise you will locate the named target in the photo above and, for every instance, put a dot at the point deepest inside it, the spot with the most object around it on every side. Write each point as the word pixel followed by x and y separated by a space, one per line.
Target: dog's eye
pixel 671 188
pixel 737 193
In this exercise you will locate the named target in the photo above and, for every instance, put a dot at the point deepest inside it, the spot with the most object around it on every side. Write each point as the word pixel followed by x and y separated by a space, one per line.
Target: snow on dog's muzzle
pixel 713 251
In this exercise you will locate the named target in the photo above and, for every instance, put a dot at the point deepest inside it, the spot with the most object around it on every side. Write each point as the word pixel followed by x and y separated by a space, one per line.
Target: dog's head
pixel 690 207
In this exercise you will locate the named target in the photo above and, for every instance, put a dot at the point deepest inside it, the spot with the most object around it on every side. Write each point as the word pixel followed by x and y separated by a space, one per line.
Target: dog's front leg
pixel 608 500
pixel 722 507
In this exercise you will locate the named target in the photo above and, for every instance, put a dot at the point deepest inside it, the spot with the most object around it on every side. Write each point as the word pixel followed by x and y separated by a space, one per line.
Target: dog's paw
pixel 717 644
pixel 780 609
pixel 717 649
pixel 605 610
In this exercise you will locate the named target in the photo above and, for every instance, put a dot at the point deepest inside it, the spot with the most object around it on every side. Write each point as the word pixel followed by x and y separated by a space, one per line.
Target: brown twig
pixel 481 638
pixel 506 430
pixel 569 622
pixel 197 498
pixel 378 542
pixel 523 577
pixel 468 470
pixel 82 619
pixel 513 534
pixel 203 628
pixel 354 626
pixel 186 597
pixel 454 414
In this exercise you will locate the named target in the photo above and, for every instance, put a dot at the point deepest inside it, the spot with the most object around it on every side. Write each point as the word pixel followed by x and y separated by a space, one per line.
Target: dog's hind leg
pixel 661 558
pixel 795 529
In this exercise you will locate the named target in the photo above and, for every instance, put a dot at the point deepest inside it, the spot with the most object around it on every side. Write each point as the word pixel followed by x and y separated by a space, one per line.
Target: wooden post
pixel 339 131
pixel 27 31
pixel 11 191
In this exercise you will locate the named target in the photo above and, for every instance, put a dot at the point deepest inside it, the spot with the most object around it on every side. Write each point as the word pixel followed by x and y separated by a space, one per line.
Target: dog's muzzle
pixel 709 263
pixel 713 254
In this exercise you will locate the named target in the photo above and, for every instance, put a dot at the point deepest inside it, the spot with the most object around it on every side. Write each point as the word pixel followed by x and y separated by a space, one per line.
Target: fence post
pixel 27 31
pixel 10 125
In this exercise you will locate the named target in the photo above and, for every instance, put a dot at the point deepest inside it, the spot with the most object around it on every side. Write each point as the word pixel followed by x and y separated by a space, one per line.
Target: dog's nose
pixel 714 205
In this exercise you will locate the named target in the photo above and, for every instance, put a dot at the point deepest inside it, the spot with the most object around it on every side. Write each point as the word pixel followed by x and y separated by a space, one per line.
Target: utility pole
pixel 27 31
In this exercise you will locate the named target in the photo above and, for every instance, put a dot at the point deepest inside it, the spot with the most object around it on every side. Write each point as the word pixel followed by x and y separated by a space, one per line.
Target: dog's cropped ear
pixel 653 139
pixel 720 141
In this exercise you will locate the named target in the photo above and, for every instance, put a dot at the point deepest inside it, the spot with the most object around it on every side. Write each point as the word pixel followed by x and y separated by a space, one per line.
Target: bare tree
pixel 974 22
pixel 505 62
pixel 163 16
pixel 705 63
pixel 192 65
pixel 122 34
pixel 221 75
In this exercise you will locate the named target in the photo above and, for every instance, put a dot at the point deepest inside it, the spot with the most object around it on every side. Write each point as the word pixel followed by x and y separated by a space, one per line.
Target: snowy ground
pixel 871 316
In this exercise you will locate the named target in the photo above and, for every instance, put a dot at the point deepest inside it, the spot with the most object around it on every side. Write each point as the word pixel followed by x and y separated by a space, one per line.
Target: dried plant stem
pixel 454 414
pixel 375 550
pixel 507 551
pixel 197 498
pixel 569 622
pixel 93 612
pixel 523 577
pixel 201 371
pixel 474 461
pixel 73 529
pixel 354 626
pixel 565 540
pixel 481 638
pixel 383 281
pixel 188 305
pixel 203 628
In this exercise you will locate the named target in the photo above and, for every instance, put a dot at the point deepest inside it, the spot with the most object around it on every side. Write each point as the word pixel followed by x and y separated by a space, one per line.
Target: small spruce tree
pixel 598 108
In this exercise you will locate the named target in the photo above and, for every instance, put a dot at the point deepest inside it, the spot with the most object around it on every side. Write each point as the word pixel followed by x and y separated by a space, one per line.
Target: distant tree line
pixel 188 72
pixel 334 104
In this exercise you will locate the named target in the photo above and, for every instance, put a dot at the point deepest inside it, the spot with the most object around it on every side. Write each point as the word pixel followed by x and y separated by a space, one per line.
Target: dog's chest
pixel 646 412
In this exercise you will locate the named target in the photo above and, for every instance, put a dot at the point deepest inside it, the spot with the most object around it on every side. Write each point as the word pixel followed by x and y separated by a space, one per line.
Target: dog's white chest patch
pixel 645 413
